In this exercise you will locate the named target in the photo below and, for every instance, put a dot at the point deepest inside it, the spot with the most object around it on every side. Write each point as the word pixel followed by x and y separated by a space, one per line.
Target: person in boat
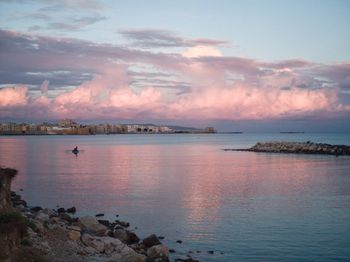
pixel 75 150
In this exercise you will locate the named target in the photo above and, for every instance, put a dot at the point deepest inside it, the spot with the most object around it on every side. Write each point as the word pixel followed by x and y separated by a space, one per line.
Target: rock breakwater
pixel 298 148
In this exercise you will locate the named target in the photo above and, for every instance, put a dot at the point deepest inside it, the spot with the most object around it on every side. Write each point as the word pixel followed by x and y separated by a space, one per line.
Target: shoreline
pixel 58 235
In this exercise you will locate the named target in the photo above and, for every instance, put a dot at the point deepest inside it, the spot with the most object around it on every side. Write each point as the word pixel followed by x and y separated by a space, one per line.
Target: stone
pixel 61 210
pixel 150 241
pixel 42 216
pixel 159 253
pixel 75 228
pixel 95 243
pixel 179 241
pixel 123 223
pixel 65 217
pixel 127 255
pixel 71 210
pixel 73 235
pixel 126 236
pixel 49 212
pixel 91 225
pixel 99 215
pixel 35 209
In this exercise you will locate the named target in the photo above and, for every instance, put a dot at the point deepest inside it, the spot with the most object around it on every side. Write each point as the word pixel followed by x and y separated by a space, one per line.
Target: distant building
pixel 209 130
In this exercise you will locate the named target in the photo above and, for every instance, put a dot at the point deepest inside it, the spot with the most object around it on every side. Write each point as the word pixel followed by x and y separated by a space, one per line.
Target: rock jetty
pixel 298 148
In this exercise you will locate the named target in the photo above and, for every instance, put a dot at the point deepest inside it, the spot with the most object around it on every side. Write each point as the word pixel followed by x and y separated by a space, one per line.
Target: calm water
pixel 243 206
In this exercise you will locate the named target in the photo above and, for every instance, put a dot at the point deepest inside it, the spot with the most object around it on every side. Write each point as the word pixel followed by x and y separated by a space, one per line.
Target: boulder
pixel 158 253
pixel 65 217
pixel 127 255
pixel 71 210
pixel 75 228
pixel 93 242
pixel 123 223
pixel 61 210
pixel 73 235
pixel 36 209
pixel 126 236
pixel 150 241
pixel 91 225
pixel 41 216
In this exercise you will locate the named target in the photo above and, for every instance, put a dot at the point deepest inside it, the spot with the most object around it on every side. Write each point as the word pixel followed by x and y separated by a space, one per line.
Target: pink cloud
pixel 217 87
pixel 13 96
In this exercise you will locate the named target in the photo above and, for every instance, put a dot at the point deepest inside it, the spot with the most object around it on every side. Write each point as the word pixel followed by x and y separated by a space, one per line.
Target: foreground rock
pixel 42 234
pixel 298 147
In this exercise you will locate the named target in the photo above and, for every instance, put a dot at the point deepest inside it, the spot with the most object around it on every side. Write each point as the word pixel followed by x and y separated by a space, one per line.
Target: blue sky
pixel 267 30
pixel 204 62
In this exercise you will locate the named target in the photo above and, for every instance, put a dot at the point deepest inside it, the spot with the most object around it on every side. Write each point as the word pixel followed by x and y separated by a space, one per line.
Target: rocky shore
pixel 298 148
pixel 43 234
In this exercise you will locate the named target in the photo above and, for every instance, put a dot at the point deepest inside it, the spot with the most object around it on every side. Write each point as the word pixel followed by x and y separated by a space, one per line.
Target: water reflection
pixel 190 190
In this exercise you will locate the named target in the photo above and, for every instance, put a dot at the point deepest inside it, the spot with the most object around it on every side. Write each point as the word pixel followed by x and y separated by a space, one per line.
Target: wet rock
pixel 123 223
pixel 126 236
pixel 49 212
pixel 65 217
pixel 71 210
pixel 158 253
pixel 179 241
pixel 172 251
pixel 74 235
pixel 36 209
pixel 91 225
pixel 99 215
pixel 211 252
pixel 161 237
pixel 150 241
pixel 105 223
pixel 61 210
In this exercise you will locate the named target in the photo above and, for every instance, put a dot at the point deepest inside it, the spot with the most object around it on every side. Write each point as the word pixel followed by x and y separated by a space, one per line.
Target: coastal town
pixel 70 127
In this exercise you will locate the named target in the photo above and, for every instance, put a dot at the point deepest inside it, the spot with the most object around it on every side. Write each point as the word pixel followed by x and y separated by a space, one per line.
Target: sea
pixel 222 205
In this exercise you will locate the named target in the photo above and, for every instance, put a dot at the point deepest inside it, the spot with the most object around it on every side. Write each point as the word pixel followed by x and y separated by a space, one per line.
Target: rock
pixel 36 209
pixel 123 223
pixel 150 241
pixel 71 210
pixel 126 236
pixel 161 237
pixel 42 216
pixel 95 243
pixel 74 235
pixel 172 251
pixel 126 254
pixel 49 212
pixel 158 253
pixel 211 252
pixel 91 225
pixel 39 226
pixel 65 217
pixel 61 210
pixel 179 241
pixel 99 215
pixel 75 228
pixel 105 223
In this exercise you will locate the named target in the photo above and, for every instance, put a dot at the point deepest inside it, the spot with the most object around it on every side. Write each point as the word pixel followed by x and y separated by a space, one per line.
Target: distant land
pixel 70 127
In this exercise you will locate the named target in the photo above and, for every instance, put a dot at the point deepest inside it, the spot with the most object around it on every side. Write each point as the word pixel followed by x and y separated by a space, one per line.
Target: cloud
pixel 104 81
pixel 200 50
pixel 76 23
pixel 13 96
pixel 155 38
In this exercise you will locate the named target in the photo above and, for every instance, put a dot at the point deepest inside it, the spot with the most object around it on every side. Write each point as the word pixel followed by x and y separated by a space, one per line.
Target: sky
pixel 235 65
